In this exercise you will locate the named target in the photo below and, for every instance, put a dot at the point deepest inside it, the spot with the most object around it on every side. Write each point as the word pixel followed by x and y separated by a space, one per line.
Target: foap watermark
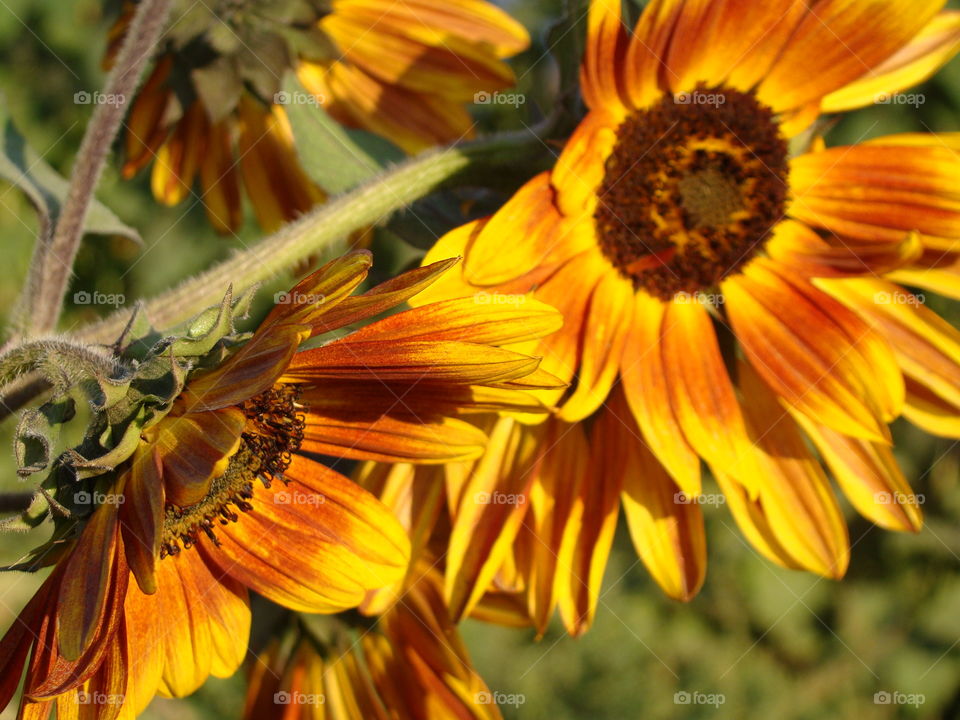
pixel 698 97
pixel 82 297
pixel 896 697
pixel 298 698
pixel 682 697
pixel 913 99
pixel 698 298
pixel 499 498
pixel 500 698
pixel 98 98
pixel 682 498
pixel 899 297
pixel 298 98
pixel 99 698
pixel 494 298
pixel 296 497
pixel 98 498
pixel 298 298
pixel 499 98
pixel 898 498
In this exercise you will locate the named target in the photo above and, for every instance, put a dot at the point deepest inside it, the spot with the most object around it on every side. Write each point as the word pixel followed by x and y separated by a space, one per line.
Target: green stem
pixel 367 205
pixel 52 263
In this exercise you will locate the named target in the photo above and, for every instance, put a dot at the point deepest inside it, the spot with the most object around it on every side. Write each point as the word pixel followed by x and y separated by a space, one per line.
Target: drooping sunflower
pixel 220 495
pixel 729 291
pixel 410 663
pixel 213 106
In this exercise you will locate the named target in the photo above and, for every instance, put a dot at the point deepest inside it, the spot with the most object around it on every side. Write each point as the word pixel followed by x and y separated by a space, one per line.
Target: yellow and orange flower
pixel 401 70
pixel 221 495
pixel 411 664
pixel 729 290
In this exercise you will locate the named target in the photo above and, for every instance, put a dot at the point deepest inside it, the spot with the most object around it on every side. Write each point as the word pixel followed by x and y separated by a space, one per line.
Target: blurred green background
pixel 774 643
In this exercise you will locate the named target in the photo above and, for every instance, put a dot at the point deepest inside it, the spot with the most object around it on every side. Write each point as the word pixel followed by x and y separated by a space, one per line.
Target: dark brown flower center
pixel 273 433
pixel 692 190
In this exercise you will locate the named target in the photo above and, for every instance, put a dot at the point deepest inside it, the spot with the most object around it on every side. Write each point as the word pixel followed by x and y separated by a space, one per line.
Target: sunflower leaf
pixel 335 157
pixel 45 187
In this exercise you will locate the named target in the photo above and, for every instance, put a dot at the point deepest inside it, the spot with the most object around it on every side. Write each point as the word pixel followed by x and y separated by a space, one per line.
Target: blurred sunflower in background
pixel 212 108
pixel 730 295
pixel 410 663
pixel 219 494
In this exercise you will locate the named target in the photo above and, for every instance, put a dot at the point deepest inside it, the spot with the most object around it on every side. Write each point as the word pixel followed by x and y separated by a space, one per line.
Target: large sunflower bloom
pixel 410 664
pixel 219 496
pixel 209 109
pixel 728 291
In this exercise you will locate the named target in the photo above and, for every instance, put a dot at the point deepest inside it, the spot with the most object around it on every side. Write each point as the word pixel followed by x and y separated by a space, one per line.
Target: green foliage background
pixel 774 643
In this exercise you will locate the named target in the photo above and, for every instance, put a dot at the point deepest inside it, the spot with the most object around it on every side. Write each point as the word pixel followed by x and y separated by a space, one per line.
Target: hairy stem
pixel 53 258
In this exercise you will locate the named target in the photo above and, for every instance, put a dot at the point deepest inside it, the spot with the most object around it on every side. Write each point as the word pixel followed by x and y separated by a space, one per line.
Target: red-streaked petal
pixel 410 361
pixel 645 386
pixel 837 42
pixel 141 516
pixel 794 492
pixel 601 80
pixel 666 529
pixel 608 324
pixel 916 61
pixel 485 318
pixel 397 437
pixel 316 544
pixel 817 354
pixel 701 392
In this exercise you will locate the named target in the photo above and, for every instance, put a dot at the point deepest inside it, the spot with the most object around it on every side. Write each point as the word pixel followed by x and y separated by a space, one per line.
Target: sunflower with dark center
pixel 730 292
pixel 213 108
pixel 222 495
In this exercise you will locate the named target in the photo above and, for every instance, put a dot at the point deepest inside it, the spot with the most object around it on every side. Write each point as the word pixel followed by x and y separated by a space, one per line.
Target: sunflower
pixel 730 296
pixel 221 496
pixel 410 664
pixel 213 106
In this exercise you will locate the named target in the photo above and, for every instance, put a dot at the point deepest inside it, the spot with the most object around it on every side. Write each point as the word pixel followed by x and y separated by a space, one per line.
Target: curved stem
pixel 52 262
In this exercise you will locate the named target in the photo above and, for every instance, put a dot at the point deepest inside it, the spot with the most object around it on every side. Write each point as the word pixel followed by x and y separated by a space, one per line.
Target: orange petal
pixel 836 43
pixel 600 74
pixel 86 581
pixel 392 438
pixel 611 315
pixel 195 448
pixel 383 297
pixel 646 54
pixel 581 167
pixel 519 237
pixel 877 192
pixel 701 393
pixel 487 319
pixel 401 45
pixel 488 514
pixel 913 63
pixel 554 494
pixel 667 531
pixel 926 346
pixel 728 42
pixel 179 156
pixel 930 412
pixel 410 361
pixel 820 357
pixel 261 360
pixel 314 544
pixel 870 477
pixel 141 516
pixel 590 530
pixel 220 181
pixel 795 494
pixel 810 254
pixel 645 386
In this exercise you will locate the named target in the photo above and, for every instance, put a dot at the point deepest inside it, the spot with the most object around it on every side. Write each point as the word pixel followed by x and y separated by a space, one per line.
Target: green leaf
pixel 335 157
pixel 45 187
